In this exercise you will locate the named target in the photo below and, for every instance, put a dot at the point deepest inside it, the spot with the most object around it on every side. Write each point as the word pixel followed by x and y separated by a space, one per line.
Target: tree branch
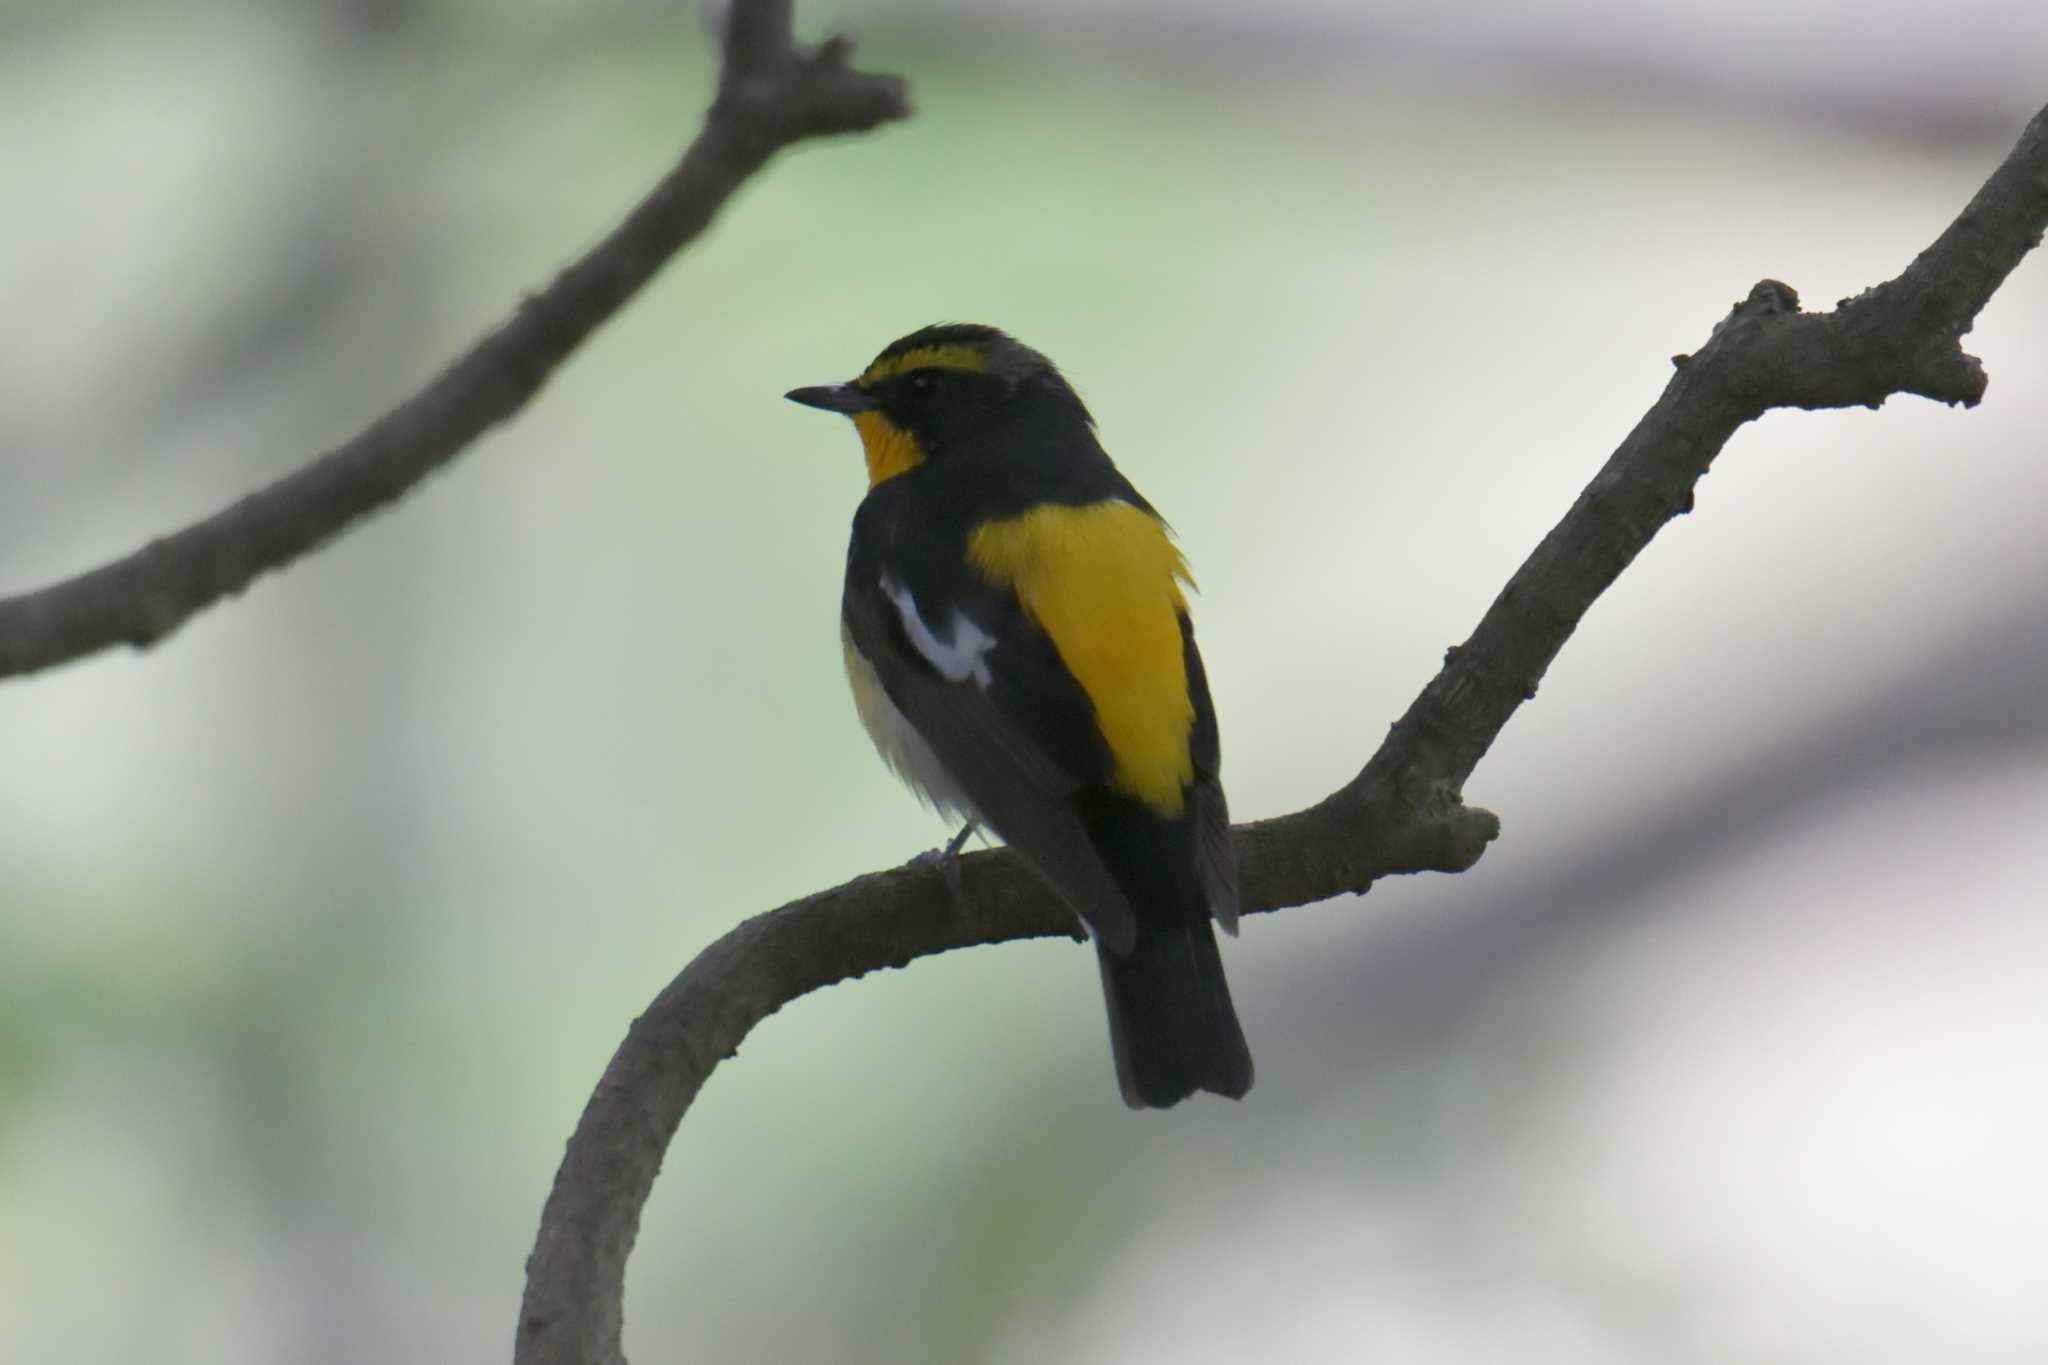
pixel 770 95
pixel 1402 813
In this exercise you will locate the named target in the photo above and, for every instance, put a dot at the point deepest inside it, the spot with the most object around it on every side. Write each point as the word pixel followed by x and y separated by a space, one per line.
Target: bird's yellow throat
pixel 888 448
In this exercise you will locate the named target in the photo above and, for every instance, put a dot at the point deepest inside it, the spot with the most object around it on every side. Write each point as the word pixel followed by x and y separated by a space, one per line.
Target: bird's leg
pixel 948 860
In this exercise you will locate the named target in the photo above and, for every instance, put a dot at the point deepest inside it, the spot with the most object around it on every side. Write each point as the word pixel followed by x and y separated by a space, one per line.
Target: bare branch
pixel 769 96
pixel 1404 811
pixel 1904 336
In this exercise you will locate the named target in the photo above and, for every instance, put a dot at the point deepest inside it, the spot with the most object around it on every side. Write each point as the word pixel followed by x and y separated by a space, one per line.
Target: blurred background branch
pixel 1402 813
pixel 769 96
pixel 316 922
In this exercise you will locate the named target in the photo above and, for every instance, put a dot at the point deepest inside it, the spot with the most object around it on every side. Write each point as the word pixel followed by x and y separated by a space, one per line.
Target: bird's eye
pixel 923 382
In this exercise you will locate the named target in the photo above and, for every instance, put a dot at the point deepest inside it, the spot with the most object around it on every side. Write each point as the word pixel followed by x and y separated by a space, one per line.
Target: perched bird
pixel 1019 648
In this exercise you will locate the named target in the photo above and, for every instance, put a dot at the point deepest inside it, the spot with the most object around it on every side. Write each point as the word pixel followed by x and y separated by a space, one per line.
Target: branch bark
pixel 1403 812
pixel 770 94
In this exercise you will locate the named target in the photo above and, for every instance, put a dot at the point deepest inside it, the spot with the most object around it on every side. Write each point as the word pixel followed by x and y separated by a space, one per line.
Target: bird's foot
pixel 947 860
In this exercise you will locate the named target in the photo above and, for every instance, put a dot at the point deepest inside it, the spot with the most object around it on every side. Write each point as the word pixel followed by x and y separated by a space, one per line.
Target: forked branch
pixel 770 94
pixel 1403 812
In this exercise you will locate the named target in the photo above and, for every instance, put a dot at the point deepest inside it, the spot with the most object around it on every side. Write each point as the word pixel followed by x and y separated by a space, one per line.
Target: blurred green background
pixel 318 923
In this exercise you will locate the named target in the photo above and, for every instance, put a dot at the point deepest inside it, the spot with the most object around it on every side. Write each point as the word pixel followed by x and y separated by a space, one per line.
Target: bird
pixel 1016 635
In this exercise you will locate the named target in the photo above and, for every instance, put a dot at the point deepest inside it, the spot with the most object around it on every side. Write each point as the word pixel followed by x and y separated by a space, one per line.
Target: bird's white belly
pixel 899 744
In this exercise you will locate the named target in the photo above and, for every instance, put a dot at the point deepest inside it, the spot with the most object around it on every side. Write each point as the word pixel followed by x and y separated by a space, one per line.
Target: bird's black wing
pixel 1216 861
pixel 986 689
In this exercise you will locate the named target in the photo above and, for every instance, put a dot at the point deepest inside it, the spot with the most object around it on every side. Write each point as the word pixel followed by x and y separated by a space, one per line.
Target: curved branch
pixel 769 96
pixel 1403 812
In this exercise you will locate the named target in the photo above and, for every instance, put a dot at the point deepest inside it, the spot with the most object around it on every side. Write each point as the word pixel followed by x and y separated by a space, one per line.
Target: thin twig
pixel 769 96
pixel 1404 812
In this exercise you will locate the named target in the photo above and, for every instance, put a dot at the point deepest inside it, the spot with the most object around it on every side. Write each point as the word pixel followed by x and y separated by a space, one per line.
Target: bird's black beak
pixel 832 398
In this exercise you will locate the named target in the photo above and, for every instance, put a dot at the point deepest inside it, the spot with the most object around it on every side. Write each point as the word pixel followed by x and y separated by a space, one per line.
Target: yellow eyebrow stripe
pixel 1104 581
pixel 924 358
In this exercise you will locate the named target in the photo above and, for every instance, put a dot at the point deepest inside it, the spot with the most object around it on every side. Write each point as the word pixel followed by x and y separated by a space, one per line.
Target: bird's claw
pixel 947 860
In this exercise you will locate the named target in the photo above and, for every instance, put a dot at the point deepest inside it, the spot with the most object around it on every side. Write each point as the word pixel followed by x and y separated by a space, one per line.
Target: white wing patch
pixel 898 741
pixel 963 656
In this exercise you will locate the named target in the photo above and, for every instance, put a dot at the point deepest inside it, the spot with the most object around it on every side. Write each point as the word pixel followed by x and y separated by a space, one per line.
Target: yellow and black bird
pixel 1018 644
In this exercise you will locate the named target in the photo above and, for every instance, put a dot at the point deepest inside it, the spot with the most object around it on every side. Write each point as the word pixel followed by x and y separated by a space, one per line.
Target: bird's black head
pixel 945 389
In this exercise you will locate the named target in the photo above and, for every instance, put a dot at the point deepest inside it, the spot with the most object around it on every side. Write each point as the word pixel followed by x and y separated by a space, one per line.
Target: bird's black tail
pixel 1171 1023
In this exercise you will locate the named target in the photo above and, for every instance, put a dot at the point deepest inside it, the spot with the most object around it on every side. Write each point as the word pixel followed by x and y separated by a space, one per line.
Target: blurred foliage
pixel 321 920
